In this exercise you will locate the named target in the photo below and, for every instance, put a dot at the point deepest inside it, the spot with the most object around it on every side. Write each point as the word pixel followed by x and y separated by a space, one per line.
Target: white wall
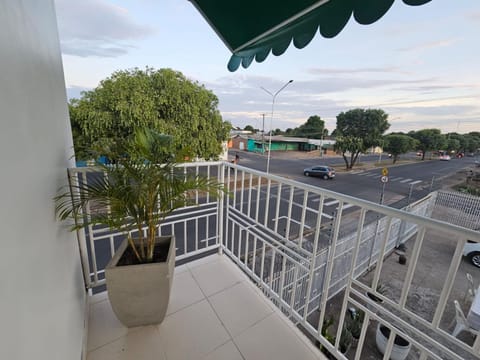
pixel 41 286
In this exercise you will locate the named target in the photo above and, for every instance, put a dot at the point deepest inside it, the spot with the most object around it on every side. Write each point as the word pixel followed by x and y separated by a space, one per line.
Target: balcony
pixel 215 312
pixel 277 265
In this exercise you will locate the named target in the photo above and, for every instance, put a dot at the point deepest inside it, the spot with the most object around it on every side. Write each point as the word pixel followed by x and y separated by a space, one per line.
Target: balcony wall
pixel 42 291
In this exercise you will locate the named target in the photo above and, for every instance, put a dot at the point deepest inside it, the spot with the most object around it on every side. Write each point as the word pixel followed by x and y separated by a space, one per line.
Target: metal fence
pixel 283 234
pixel 458 208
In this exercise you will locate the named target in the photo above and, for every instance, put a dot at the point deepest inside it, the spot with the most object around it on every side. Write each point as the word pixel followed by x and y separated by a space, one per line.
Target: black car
pixel 325 172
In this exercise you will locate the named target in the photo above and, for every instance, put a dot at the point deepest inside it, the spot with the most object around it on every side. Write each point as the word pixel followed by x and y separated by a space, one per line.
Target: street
pixel 414 179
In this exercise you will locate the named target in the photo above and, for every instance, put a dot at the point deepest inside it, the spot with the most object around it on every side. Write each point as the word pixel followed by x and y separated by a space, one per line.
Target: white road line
pixel 293 220
pixel 348 206
pixel 330 203
pixel 371 174
pixel 415 182
pixel 377 176
pixel 406 180
pixel 396 178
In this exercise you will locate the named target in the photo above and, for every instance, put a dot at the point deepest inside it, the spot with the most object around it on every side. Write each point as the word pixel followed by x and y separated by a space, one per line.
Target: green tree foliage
pixel 428 140
pixel 453 145
pixel 249 128
pixel 459 144
pixel 164 100
pixel 397 144
pixel 349 145
pixel 358 130
pixel 472 142
pixel 314 128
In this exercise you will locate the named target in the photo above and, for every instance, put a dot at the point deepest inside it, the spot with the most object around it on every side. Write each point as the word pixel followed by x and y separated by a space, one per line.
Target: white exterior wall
pixel 41 287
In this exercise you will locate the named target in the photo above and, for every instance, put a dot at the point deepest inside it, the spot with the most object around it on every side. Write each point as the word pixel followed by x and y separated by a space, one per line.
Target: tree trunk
pixel 346 161
pixel 354 158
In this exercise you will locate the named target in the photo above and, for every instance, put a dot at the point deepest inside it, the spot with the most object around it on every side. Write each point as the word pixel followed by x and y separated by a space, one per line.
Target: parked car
pixel 445 157
pixel 472 251
pixel 323 171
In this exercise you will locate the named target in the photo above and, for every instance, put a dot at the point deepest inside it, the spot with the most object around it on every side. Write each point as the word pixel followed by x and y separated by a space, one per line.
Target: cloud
pixel 435 100
pixel 430 45
pixel 451 111
pixel 242 101
pixel 432 88
pixel 96 28
pixel 474 16
pixel 329 71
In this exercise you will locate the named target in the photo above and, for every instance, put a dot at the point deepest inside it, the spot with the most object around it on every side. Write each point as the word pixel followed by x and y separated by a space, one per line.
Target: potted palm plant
pixel 140 188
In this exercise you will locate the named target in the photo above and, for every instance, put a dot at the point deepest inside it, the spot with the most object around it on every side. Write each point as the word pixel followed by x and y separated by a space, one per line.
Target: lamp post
pixel 271 119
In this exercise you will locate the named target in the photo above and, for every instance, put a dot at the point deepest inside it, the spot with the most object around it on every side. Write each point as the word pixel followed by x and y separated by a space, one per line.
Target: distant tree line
pixel 359 130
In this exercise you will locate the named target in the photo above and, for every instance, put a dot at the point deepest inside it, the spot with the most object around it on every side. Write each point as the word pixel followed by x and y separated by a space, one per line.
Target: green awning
pixel 251 29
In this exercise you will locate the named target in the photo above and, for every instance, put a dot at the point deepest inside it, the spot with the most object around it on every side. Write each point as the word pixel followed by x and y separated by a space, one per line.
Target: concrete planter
pixel 139 294
pixel 401 347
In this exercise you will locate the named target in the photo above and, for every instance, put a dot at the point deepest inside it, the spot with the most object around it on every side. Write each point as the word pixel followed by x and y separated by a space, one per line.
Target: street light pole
pixel 263 134
pixel 271 119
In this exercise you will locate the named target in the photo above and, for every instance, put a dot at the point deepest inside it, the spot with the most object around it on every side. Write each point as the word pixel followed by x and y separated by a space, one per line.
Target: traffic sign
pixel 385 171
pixel 384 179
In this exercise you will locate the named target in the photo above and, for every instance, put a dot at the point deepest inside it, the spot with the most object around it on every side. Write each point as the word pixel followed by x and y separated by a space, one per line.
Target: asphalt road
pixel 406 180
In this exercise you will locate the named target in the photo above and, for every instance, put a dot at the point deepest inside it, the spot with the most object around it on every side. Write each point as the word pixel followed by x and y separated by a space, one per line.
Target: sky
pixel 421 65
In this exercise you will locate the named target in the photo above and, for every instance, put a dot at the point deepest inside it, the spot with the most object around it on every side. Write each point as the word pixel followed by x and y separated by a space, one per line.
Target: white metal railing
pixel 196 228
pixel 283 234
pixel 307 247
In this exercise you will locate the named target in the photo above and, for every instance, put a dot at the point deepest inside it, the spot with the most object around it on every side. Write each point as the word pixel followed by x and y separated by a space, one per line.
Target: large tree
pixel 472 141
pixel 314 128
pixel 164 100
pixel 428 140
pixel 357 130
pixel 397 144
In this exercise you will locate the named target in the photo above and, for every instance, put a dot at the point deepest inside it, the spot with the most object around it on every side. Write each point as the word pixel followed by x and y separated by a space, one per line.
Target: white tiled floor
pixel 215 313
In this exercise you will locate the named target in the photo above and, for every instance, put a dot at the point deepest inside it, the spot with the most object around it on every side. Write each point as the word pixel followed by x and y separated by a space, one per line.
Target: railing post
pixel 220 212
pixel 82 242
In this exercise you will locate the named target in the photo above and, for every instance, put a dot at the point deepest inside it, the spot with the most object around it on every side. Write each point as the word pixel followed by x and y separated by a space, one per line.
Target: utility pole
pixel 263 134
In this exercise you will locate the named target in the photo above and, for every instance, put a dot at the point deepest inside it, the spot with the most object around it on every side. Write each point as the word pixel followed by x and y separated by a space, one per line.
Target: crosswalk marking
pixel 391 179
pixel 415 182
pixel 331 203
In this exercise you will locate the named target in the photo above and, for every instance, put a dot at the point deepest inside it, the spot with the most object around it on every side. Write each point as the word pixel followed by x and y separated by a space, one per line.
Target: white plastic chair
pixel 471 286
pixel 462 322
pixel 471 289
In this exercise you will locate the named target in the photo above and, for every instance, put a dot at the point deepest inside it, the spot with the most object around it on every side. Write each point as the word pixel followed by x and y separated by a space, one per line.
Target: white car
pixel 472 251
pixel 445 157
